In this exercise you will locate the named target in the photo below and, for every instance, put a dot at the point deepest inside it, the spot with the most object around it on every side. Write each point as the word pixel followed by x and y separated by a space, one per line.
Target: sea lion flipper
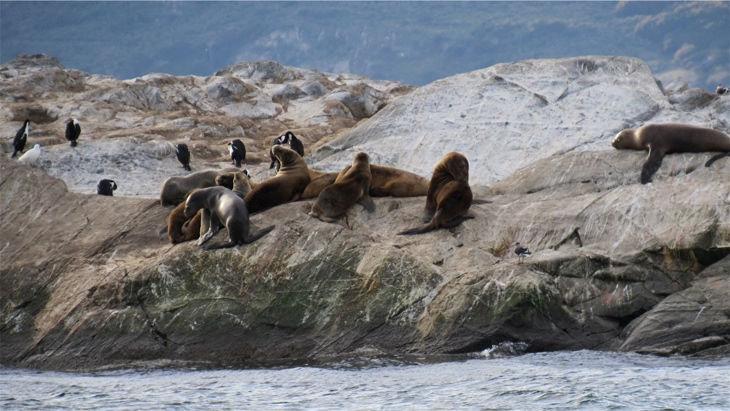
pixel 716 157
pixel 367 202
pixel 652 164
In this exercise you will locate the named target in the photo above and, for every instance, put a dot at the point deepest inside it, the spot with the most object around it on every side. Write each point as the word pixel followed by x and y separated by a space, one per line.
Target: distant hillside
pixel 410 42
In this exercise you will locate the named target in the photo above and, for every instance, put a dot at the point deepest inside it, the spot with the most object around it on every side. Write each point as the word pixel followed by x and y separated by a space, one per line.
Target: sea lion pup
pixel 175 189
pixel 222 207
pixel 289 139
pixel 239 182
pixel 351 186
pixel 180 228
pixel 449 195
pixel 73 131
pixel 662 139
pixel 287 185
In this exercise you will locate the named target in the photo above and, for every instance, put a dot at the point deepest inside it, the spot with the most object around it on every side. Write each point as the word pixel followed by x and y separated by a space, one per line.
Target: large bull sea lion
pixel 287 185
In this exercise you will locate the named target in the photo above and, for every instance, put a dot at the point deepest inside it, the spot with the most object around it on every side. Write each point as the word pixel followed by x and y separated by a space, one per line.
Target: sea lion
pixel 222 207
pixel 180 228
pixel 289 139
pixel 662 139
pixel 449 195
pixel 386 182
pixel 239 182
pixel 287 185
pixel 317 183
pixel 175 189
pixel 352 185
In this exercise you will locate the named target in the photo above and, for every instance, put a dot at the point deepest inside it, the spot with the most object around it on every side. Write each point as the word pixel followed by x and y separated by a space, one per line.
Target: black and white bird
pixel 73 131
pixel 522 252
pixel 720 90
pixel 183 155
pixel 106 187
pixel 289 139
pixel 237 151
pixel 21 137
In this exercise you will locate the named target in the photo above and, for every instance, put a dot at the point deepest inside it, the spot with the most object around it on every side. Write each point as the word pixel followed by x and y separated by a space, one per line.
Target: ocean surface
pixel 583 379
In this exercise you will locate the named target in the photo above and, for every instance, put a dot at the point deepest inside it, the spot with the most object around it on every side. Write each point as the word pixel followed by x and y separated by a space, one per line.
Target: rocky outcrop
pixel 89 281
pixel 508 115
pixel 86 281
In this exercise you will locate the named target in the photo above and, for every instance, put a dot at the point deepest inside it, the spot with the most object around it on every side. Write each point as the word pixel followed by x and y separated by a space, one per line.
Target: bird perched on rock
pixel 289 139
pixel 183 155
pixel 106 187
pixel 73 131
pixel 237 151
pixel 521 252
pixel 21 137
pixel 31 156
pixel 720 90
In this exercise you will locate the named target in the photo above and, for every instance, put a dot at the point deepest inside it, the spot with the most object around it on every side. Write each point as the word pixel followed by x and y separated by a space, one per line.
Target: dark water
pixel 581 379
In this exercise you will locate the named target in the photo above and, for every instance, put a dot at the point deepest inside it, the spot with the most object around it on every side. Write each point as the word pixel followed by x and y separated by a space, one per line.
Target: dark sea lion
pixel 287 185
pixel 222 207
pixel 352 185
pixel 663 139
pixel 180 228
pixel 449 195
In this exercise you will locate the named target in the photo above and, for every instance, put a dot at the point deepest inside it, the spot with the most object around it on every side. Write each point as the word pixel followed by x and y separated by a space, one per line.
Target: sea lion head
pixel 362 157
pixel 285 155
pixel 192 204
pixel 624 139
pixel 458 166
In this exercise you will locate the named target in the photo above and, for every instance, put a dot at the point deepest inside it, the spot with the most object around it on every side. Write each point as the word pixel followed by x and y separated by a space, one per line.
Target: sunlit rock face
pixel 507 116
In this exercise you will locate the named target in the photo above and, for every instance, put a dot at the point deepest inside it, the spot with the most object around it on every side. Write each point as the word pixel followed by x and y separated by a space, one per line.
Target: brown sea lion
pixel 393 182
pixel 351 186
pixel 175 189
pixel 386 182
pixel 662 139
pixel 222 207
pixel 449 195
pixel 287 185
pixel 240 182
pixel 317 183
pixel 180 228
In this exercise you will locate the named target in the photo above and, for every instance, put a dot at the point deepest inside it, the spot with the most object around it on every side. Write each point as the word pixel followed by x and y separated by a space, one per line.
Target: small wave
pixel 505 349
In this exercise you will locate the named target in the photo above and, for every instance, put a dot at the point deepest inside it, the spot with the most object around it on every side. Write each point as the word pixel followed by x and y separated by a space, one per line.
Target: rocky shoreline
pixel 87 282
